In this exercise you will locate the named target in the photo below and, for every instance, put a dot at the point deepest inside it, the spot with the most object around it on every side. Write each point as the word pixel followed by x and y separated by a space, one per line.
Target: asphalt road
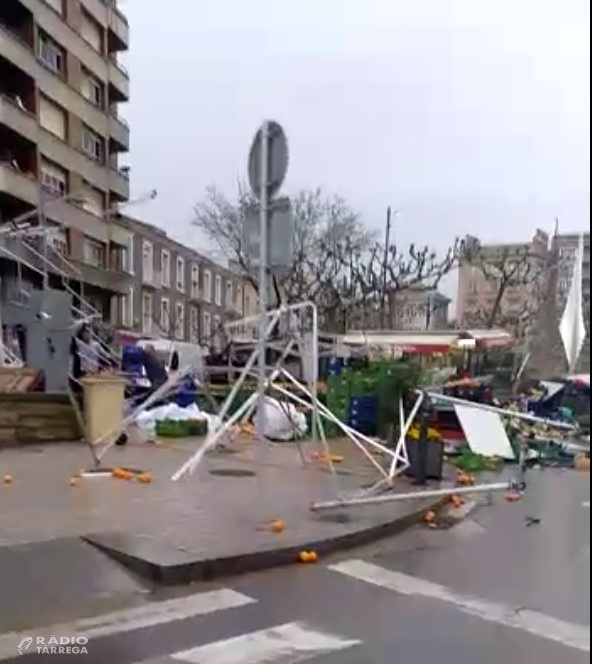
pixel 491 590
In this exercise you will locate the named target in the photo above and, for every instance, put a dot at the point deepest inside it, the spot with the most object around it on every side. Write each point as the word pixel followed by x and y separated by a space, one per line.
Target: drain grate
pixel 232 472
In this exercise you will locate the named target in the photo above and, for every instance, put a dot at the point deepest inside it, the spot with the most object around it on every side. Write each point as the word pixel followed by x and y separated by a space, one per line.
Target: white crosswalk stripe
pixel 536 623
pixel 127 620
pixel 290 643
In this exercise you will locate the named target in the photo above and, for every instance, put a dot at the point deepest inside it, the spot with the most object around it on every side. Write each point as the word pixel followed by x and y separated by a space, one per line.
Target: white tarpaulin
pixel 485 432
pixel 572 327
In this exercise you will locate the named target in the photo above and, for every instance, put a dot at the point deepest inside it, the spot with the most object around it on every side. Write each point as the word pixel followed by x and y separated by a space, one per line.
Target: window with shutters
pixel 53 118
pixel 50 53
pixel 93 199
pixel 93 145
pixel 54 180
pixel 91 32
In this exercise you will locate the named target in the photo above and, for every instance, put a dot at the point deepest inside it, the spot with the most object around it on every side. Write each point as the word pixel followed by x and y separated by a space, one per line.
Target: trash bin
pixel 103 407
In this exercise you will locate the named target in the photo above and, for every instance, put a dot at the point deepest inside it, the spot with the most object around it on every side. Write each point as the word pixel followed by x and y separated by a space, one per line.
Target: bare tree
pixel 326 230
pixel 516 283
pixel 337 262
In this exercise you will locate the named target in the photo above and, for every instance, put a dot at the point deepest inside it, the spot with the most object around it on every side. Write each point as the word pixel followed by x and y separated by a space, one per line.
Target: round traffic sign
pixel 277 159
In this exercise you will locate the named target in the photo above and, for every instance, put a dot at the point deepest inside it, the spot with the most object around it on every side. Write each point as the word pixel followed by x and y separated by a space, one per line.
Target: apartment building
pixel 418 308
pixel 61 139
pixel 176 292
pixel 521 265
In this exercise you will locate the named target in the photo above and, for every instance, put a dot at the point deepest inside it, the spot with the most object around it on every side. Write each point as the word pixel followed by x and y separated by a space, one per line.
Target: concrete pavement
pixel 211 524
pixel 497 591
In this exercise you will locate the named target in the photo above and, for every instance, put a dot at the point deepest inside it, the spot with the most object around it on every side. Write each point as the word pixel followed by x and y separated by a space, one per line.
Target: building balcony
pixel 106 13
pixel 119 133
pixel 114 281
pixel 153 280
pixel 118 30
pixel 53 24
pixel 23 57
pixel 119 183
pixel 118 79
pixel 18 185
pixel 16 117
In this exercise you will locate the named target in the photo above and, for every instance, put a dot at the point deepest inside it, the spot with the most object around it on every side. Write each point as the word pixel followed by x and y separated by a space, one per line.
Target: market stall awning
pixel 409 342
pixel 488 339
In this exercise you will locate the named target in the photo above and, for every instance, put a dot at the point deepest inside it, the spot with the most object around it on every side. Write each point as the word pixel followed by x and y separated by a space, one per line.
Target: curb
pixel 192 570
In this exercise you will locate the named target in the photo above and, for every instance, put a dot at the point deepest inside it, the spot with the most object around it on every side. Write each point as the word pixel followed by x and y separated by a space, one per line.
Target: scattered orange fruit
pixel 277 526
pixel 73 481
pixel 308 557
pixel 429 517
pixel 456 501
pixel 7 479
pixel 144 478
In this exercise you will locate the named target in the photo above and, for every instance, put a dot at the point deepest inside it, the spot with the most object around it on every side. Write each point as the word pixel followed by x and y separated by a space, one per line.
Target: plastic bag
pixel 282 421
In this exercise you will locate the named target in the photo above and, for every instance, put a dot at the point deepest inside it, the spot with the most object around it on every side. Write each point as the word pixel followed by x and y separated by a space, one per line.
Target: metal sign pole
pixel 263 253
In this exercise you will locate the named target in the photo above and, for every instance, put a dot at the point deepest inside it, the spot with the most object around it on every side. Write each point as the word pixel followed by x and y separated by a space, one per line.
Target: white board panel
pixel 485 432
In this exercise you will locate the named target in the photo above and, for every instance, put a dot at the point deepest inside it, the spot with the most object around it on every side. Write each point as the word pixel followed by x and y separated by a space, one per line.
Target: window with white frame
pixel 179 321
pixel 165 316
pixel 92 89
pixel 194 281
pixel 165 266
pixel 239 298
pixel 50 53
pixel 207 286
pixel 229 304
pixel 207 328
pixel 147 262
pixel 193 324
pixel 59 241
pixel 218 335
pixel 129 256
pixel 180 274
pixel 93 252
pixel 54 180
pixel 93 145
pixel 218 290
pixel 147 313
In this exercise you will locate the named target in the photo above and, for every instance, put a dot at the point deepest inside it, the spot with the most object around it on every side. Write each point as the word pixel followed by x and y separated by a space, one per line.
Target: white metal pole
pixel 436 396
pixel 394 497
pixel 263 251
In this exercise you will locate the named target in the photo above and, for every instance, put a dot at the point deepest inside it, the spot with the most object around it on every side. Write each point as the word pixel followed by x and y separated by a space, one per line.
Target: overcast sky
pixel 465 115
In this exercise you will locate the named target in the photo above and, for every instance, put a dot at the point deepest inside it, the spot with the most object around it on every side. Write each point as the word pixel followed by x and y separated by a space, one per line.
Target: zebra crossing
pixel 283 640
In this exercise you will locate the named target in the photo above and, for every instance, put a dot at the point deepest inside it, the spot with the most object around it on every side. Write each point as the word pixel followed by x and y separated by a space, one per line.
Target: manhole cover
pixel 232 472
